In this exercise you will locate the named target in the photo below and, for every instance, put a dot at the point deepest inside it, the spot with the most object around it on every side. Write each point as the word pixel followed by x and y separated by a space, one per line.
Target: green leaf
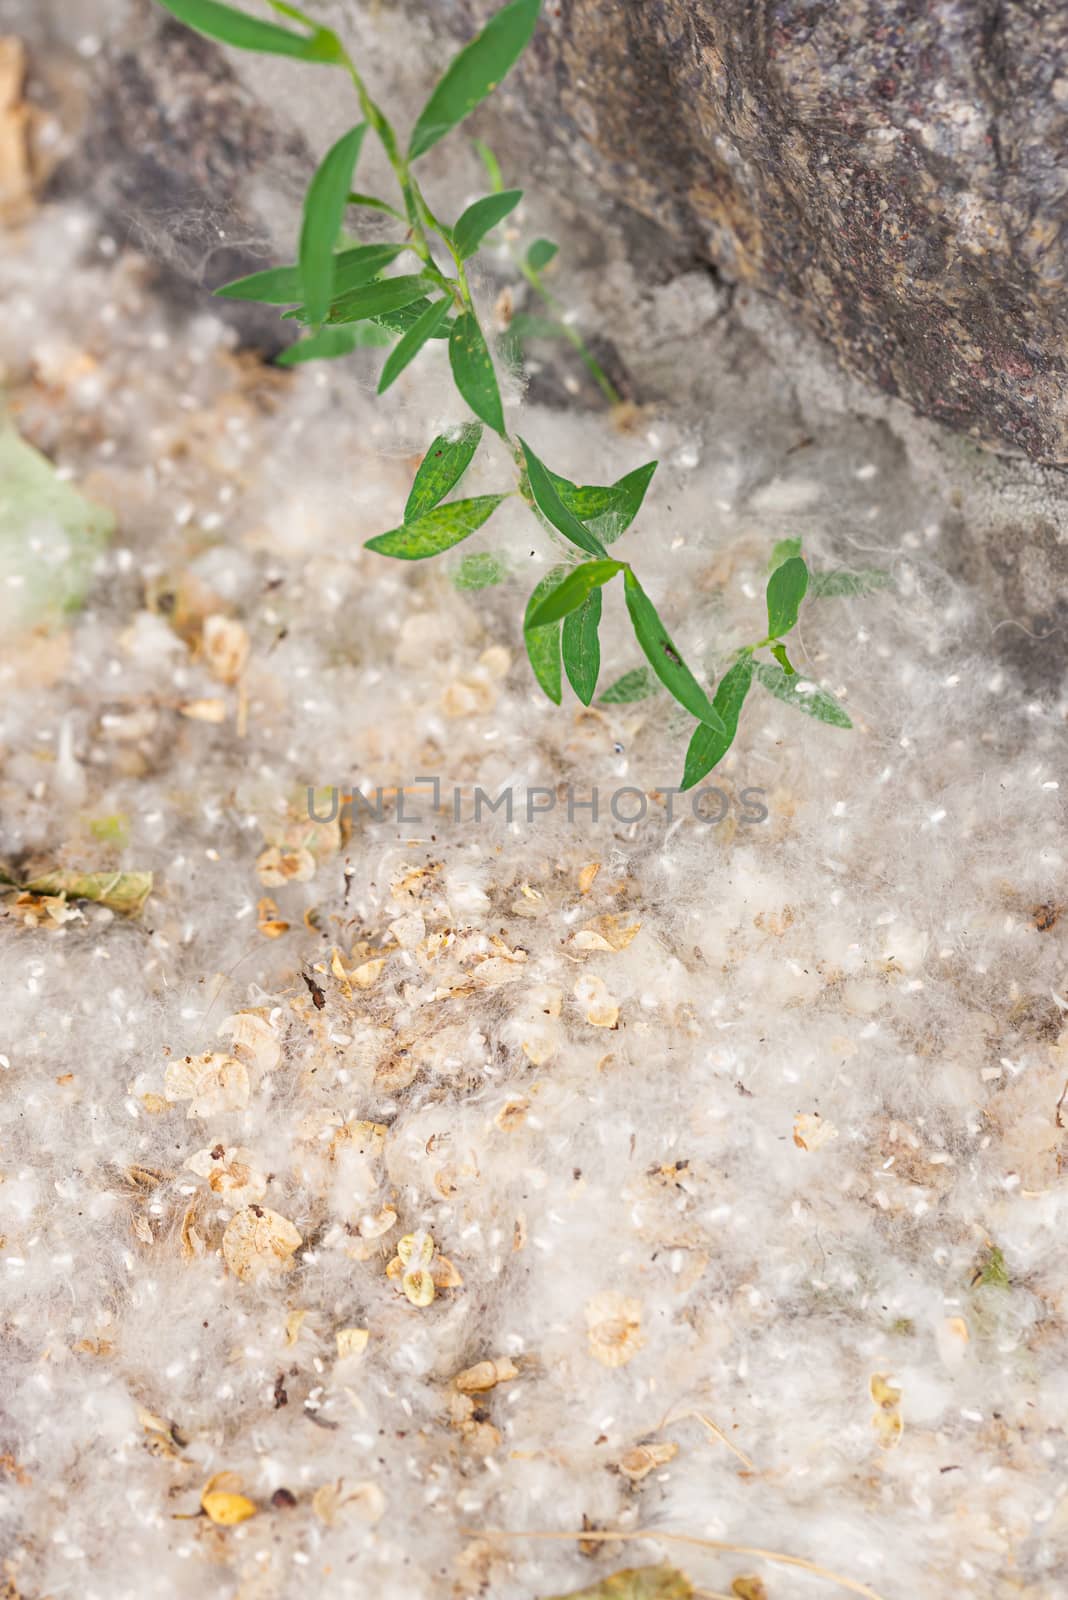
pixel 783 550
pixel 582 646
pixel 480 571
pixel 802 694
pixel 373 299
pixel 50 539
pixel 405 317
pixel 371 202
pixel 325 344
pixel 410 344
pixel 436 531
pixel 637 684
pixel 543 644
pixel 664 658
pixel 552 507
pixel 832 585
pixel 324 208
pixel 707 747
pixel 124 892
pixel 475 73
pixel 608 510
pixel 541 253
pixel 249 33
pixel 491 164
pixel 441 468
pixel 571 591
pixel 479 218
pixel 373 335
pixel 779 652
pixel 525 326
pixel 472 369
pixel 786 590
pixel 281 286
pixel 636 1583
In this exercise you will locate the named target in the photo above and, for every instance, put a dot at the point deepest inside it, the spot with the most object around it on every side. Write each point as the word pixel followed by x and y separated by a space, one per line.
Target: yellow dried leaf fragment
pixel 277 866
pixel 212 1083
pixel 253 1036
pixel 367 974
pixel 886 1419
pixel 222 1503
pixel 269 921
pixel 258 1243
pixel 637 1583
pixel 606 933
pixel 231 1172
pixel 812 1132
pixel 601 1009
pixel 342 1501
pixel 421 1272
pixel 351 1343
pixel 641 1459
pixel 613 1328
pixel 124 892
pixel 204 710
pixel 745 1587
pixel 485 1375
pixel 586 876
pixel 295 1320
pixel 226 647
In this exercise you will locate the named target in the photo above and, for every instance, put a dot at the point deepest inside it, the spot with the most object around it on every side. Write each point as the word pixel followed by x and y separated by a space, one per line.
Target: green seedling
pixel 342 297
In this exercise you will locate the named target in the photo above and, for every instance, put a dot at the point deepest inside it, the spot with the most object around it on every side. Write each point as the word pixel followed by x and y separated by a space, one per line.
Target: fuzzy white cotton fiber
pixel 714 1136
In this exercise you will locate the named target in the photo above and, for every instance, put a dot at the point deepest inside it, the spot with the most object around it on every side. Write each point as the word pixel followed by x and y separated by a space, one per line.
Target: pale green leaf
pixel 609 509
pixel 582 646
pixel 709 745
pixel 782 551
pixel 526 326
pixel 664 657
pixel 636 1583
pixel 441 468
pixel 281 286
pixel 50 538
pixel 436 531
pixel 475 73
pixel 833 585
pixel 786 590
pixel 472 370
pixel 571 591
pixel 371 202
pixel 410 343
pixel 325 344
pixel 802 694
pixel 479 218
pixel 491 164
pixel 637 684
pixel 124 892
pixel 552 507
pixel 543 644
pixel 324 208
pixel 541 252
pixel 373 299
pixel 480 571
pixel 237 28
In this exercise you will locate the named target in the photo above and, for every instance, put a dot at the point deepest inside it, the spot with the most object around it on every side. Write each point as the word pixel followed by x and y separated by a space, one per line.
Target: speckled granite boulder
pixel 895 171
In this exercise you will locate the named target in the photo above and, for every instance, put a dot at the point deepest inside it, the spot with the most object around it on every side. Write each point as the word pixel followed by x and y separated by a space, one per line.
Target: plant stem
pixel 571 334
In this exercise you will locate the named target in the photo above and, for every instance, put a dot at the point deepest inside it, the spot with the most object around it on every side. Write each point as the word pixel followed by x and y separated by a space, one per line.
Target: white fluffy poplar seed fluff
pixel 385 1184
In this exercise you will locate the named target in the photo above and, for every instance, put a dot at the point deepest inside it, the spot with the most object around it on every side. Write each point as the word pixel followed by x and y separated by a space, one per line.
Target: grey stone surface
pixel 895 172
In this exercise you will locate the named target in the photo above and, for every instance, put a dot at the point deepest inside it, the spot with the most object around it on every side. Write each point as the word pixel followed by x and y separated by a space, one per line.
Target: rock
pixel 174 148
pixel 894 172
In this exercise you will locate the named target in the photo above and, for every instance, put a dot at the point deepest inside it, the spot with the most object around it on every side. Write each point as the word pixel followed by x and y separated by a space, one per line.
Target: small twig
pixel 664 1535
